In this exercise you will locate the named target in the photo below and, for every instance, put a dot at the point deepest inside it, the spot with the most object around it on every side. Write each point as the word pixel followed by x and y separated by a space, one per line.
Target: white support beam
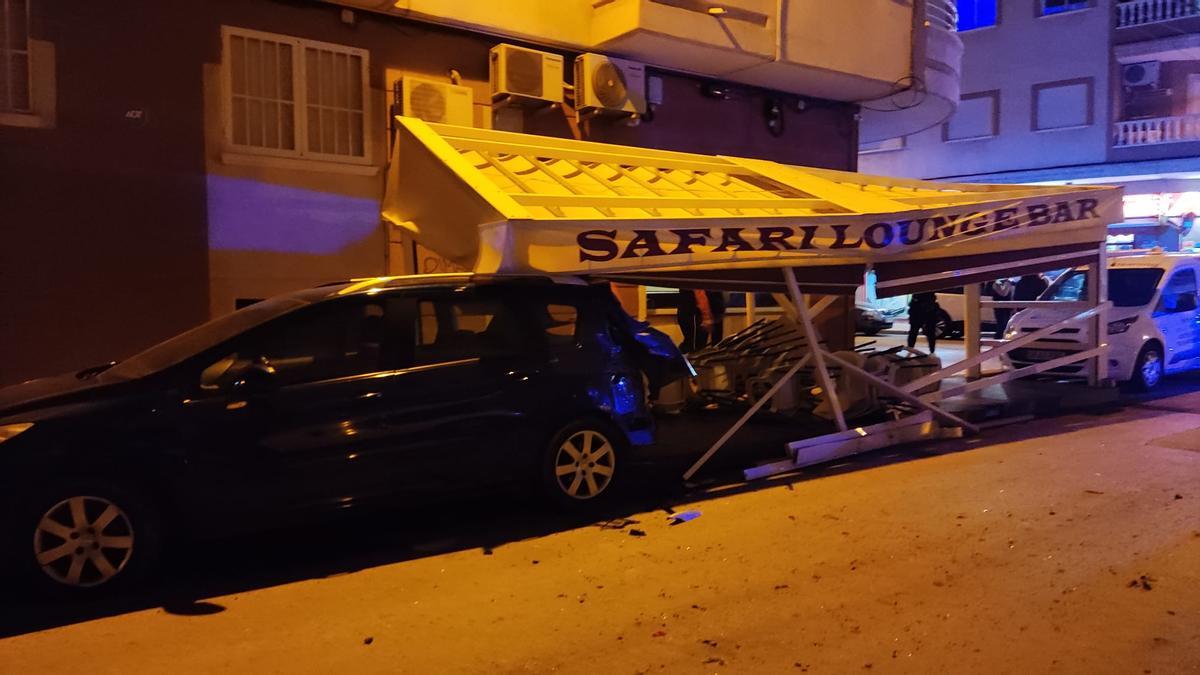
pixel 999 350
pixel 904 395
pixel 814 340
pixel 829 447
pixel 972 324
pixel 1034 369
pixel 1098 295
pixel 712 450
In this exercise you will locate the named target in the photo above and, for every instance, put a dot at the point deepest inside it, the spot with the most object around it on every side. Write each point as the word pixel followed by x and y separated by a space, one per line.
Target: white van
pixel 1153 326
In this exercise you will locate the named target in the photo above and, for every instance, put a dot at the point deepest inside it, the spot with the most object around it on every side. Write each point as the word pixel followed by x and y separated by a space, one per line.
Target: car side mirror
pixel 252 376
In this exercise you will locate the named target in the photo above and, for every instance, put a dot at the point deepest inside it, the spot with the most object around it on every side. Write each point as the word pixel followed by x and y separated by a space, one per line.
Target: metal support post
pixel 1097 293
pixel 814 339
pixel 972 323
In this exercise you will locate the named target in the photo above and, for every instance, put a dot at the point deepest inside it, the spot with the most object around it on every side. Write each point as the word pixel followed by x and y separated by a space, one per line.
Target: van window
pixel 1127 286
pixel 1179 295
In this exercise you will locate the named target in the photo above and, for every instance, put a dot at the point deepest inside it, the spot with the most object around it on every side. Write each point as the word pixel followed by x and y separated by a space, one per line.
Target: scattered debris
pixel 1178 496
pixel 710 643
pixel 1094 492
pixel 780 587
pixel 617 523
pixel 487 550
pixel 368 640
pixel 681 517
pixel 714 659
pixel 702 609
pixel 659 633
pixel 535 561
pixel 803 668
pixel 1142 582
pixel 637 533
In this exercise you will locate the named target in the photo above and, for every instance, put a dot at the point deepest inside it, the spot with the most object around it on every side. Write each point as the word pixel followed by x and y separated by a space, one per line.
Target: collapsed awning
pixel 500 202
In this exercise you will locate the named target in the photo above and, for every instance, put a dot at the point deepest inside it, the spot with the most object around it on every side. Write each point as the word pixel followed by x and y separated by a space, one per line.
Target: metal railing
pixel 1157 130
pixel 942 14
pixel 1142 12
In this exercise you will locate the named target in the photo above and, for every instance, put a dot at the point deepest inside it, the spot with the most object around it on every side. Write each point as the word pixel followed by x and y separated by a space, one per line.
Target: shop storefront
pixel 505 203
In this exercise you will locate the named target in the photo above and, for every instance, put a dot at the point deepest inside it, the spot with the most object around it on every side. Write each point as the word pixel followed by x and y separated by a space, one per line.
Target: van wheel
pixel 1148 369
pixel 581 463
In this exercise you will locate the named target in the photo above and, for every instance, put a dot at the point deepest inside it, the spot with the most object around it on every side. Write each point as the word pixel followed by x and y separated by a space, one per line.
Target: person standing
pixel 923 311
pixel 694 318
pixel 1031 287
pixel 1002 290
pixel 716 307
pixel 701 317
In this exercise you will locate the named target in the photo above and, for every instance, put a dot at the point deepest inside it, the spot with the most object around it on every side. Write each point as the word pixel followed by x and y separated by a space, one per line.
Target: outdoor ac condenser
pixel 525 76
pixel 439 102
pixel 607 84
pixel 1142 75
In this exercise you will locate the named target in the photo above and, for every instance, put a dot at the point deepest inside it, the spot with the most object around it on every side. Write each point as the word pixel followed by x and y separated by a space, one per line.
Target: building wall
pixel 102 244
pixel 133 229
pixel 1023 50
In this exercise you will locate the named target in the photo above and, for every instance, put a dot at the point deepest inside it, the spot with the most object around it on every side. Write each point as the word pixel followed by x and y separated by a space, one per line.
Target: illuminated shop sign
pixel 1161 204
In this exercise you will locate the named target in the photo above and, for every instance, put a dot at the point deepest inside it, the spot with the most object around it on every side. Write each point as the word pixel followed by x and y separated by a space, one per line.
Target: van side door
pixel 1176 316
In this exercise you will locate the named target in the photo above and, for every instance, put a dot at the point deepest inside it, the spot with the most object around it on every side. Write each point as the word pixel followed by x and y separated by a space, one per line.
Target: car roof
pixel 1165 261
pixel 372 285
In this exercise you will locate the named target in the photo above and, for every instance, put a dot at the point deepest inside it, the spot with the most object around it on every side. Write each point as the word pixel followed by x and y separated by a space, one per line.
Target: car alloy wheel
pixel 584 464
pixel 83 541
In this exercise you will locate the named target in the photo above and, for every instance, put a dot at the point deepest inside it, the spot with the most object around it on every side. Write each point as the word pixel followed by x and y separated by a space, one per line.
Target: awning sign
pixel 495 201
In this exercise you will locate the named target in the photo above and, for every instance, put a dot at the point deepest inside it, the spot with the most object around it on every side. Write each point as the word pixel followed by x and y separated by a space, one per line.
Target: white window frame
pixel 8 52
pixel 299 101
pixel 1040 8
pixel 993 94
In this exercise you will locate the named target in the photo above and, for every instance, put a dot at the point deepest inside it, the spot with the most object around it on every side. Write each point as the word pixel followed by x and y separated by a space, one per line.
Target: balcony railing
pixel 1141 12
pixel 1157 130
pixel 942 14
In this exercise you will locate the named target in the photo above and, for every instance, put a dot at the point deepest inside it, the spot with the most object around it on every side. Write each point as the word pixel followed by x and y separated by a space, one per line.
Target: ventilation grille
pixel 524 72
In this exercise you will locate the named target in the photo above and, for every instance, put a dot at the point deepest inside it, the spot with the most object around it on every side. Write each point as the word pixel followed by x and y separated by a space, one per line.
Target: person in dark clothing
pixel 1002 289
pixel 716 305
pixel 691 320
pixel 923 311
pixel 1031 287
pixel 701 317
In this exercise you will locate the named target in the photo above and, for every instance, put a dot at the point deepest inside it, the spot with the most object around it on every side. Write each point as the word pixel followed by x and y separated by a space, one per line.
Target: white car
pixel 1153 326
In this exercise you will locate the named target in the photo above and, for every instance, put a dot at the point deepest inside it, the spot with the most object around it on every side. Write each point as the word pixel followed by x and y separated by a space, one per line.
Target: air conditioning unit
pixel 525 76
pixel 607 84
pixel 1141 75
pixel 435 101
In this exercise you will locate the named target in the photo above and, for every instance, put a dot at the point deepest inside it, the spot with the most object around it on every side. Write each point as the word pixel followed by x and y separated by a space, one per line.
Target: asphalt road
pixel 1065 545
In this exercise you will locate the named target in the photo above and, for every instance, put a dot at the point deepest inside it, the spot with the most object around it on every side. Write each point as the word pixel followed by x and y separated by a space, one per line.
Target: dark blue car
pixel 348 395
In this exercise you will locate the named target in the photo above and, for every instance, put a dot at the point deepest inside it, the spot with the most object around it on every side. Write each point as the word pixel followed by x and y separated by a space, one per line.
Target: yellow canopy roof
pixel 496 201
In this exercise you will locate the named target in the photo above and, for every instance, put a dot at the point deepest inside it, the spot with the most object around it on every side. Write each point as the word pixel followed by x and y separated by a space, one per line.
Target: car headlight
pixel 8 431
pixel 1012 333
pixel 1117 327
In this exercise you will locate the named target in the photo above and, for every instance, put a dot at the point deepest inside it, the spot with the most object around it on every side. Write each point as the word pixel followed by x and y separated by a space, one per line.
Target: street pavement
pixel 1066 545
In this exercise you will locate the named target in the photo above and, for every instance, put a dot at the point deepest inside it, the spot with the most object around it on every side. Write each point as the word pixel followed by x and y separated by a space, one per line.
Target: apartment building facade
pixel 1087 91
pixel 162 163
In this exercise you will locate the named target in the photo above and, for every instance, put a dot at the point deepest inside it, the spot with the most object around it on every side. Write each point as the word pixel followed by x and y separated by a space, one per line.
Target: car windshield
pixel 174 350
pixel 1127 286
